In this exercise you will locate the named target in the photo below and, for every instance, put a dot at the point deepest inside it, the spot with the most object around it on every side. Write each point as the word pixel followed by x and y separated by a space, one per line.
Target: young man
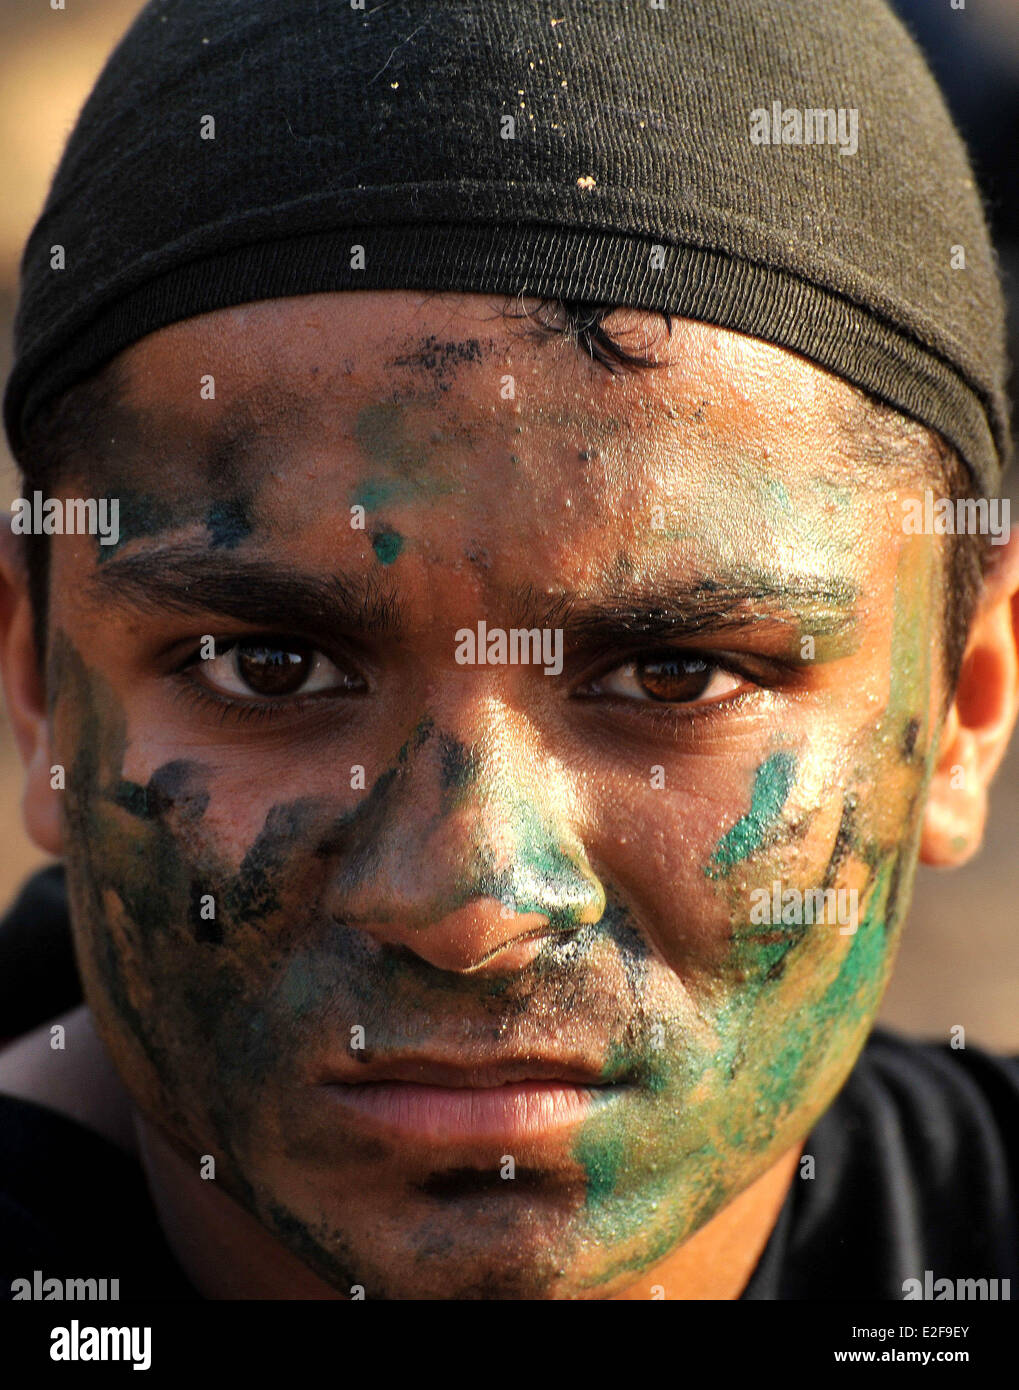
pixel 489 776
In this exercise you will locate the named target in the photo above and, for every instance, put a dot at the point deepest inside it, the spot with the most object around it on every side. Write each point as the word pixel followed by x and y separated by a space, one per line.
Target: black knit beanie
pixel 785 168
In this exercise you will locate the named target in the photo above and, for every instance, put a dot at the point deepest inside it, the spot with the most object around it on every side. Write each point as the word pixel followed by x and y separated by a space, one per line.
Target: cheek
pixel 754 1025
pixel 187 889
pixel 728 866
pixel 691 833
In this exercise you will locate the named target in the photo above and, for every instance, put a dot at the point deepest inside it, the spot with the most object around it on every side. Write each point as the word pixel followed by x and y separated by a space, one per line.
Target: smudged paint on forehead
pixel 911 673
pixel 167 481
pixel 739 508
pixel 176 460
pixel 441 361
pixel 595 434
pixel 405 466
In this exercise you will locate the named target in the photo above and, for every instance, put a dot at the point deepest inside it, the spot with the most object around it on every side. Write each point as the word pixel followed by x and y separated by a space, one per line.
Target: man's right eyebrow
pixel 181 579
pixel 694 607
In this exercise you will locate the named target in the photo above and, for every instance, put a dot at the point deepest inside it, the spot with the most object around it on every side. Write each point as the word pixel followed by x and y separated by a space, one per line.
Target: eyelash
pixel 193 692
pixel 259 710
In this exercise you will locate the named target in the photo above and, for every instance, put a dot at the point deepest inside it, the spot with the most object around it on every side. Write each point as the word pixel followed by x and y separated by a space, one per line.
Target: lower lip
pixel 525 1109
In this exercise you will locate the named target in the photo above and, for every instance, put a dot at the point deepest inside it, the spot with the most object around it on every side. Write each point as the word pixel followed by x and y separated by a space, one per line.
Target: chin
pixel 454 1240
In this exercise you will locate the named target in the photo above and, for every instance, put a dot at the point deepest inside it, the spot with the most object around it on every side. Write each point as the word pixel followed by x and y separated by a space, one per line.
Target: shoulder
pixel 74 1202
pixel 38 975
pixel 944 1104
pixel 64 1066
pixel 74 1205
pixel 64 1193
pixel 916 1168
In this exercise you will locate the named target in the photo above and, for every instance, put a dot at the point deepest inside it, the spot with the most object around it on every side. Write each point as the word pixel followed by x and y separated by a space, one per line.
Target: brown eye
pixel 669 677
pixel 674 678
pixel 273 670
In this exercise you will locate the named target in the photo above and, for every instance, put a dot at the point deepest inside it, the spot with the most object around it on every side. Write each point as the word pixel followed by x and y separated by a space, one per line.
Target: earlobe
pixel 979 723
pixel 24 689
pixel 41 801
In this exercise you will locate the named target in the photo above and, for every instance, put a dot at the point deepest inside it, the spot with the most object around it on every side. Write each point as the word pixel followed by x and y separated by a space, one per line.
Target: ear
pixel 25 690
pixel 980 721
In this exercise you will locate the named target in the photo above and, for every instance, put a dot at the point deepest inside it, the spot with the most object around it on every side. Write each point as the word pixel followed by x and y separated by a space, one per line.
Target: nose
pixel 482 937
pixel 464 854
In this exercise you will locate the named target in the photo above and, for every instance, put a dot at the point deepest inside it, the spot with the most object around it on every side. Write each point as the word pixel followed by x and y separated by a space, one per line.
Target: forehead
pixel 298 364
pixel 469 433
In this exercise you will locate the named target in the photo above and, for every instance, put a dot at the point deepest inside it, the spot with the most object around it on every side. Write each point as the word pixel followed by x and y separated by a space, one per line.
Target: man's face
pixel 334 860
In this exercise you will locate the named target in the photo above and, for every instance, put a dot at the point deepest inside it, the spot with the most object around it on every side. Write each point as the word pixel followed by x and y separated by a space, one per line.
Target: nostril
pixel 476 937
pixel 515 954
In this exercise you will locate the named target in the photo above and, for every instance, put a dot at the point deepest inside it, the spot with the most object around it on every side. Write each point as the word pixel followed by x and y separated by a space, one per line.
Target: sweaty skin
pixel 484 863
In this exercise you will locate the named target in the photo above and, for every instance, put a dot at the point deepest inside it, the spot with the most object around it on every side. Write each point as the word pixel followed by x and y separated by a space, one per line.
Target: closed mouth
pixel 437 1101
pixel 517 1109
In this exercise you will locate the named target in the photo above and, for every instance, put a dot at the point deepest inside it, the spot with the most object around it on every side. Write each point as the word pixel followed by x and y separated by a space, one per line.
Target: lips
pixel 479 1073
pixel 435 1101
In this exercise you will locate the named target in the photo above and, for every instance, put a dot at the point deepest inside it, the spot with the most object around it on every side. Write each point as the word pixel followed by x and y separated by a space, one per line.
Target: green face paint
pixel 772 782
pixel 387 546
pixel 404 469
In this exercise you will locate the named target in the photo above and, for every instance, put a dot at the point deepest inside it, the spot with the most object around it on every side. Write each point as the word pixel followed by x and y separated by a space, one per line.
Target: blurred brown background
pixel 960 959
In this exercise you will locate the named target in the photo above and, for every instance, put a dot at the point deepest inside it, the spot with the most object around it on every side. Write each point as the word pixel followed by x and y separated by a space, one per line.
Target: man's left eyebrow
pixel 805 604
pixel 184 579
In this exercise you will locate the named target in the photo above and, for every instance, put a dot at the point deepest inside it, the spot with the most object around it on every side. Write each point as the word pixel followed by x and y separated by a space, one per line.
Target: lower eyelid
pixel 226 707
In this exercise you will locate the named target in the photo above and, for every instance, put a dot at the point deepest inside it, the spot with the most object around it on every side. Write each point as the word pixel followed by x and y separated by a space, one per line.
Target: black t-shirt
pixel 916 1169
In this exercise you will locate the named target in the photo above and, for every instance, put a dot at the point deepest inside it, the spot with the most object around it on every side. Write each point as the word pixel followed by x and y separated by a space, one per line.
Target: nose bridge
pixel 526 853
pixel 475 818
